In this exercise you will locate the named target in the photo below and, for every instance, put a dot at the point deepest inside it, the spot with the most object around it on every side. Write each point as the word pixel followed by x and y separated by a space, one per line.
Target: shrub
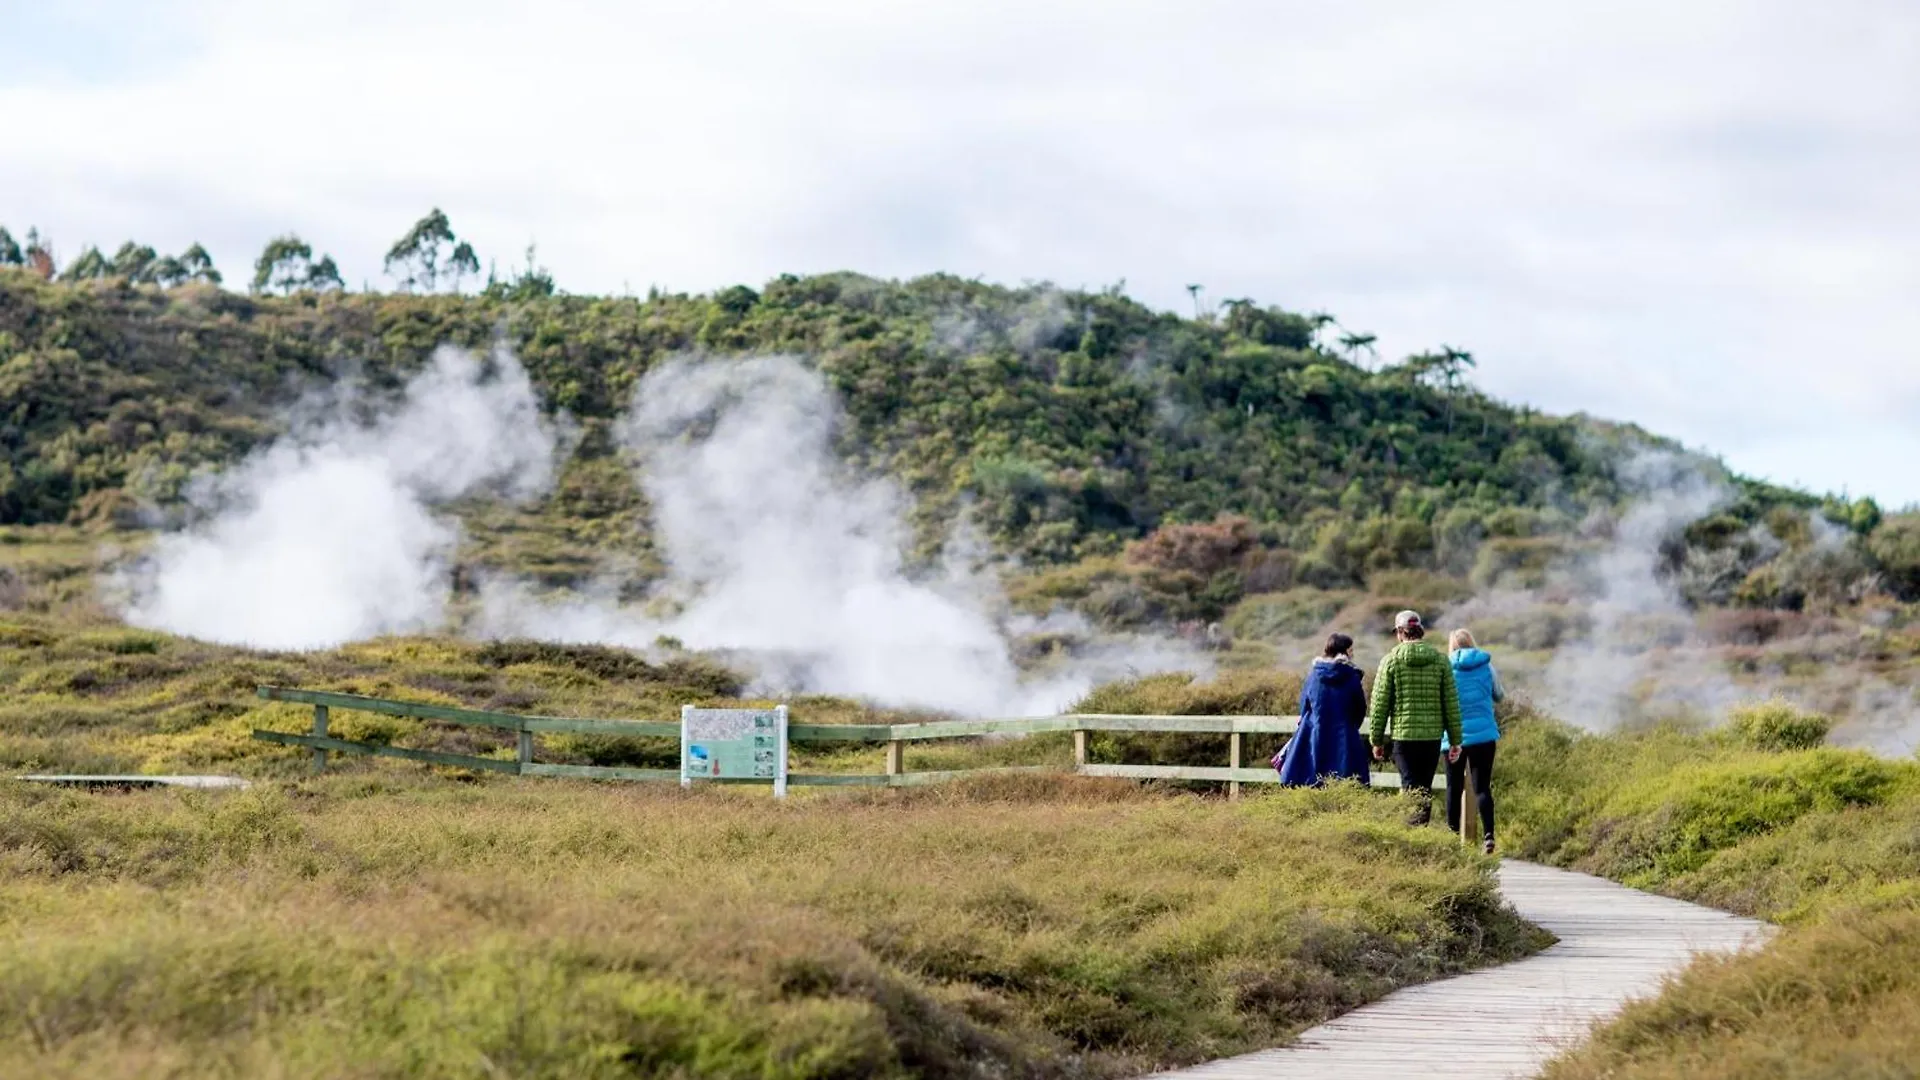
pixel 1296 613
pixel 1421 588
pixel 1779 725
pixel 1519 562
pixel 1841 999
pixel 606 662
pixel 1241 693
pixel 1204 550
pixel 1542 626
pixel 1674 824
pixel 1895 547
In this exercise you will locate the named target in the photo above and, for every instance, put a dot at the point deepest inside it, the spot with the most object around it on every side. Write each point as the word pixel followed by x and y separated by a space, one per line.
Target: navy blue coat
pixel 1329 743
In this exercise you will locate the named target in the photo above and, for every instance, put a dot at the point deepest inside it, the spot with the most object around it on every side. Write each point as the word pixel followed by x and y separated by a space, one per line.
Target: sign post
pixel 734 744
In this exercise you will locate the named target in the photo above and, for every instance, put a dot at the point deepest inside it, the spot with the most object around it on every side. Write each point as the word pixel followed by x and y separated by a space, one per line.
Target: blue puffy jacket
pixel 1479 687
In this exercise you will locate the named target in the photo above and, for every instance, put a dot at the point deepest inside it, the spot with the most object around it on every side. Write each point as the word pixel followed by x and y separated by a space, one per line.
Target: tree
pixel 39 254
pixel 1453 363
pixel 192 264
pixel 531 283
pixel 198 265
pixel 287 264
pixel 1317 322
pixel 324 275
pixel 135 262
pixel 418 255
pixel 1268 326
pixel 1353 343
pixel 10 253
pixel 88 266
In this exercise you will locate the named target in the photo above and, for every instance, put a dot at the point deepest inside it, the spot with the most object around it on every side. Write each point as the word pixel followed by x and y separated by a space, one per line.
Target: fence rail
pixel 894 736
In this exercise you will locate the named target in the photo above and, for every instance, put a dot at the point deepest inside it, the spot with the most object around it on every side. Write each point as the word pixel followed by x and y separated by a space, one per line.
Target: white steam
pixel 329 535
pixel 776 552
pixel 1595 681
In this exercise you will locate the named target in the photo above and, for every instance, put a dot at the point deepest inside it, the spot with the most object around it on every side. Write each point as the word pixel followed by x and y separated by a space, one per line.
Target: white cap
pixel 1406 619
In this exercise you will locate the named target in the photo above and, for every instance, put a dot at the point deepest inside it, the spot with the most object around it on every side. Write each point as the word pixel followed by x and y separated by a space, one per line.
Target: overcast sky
pixel 1701 216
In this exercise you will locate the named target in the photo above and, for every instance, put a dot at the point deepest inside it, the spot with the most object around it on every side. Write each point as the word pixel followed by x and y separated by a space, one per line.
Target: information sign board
pixel 734 744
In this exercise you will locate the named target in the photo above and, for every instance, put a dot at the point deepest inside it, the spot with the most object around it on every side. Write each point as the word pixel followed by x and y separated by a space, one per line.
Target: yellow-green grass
pixel 1824 841
pixel 394 923
pixel 1835 1001
pixel 1788 835
pixel 80 695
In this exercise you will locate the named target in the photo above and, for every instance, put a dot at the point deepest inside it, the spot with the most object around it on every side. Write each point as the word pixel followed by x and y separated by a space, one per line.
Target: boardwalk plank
pixel 1615 944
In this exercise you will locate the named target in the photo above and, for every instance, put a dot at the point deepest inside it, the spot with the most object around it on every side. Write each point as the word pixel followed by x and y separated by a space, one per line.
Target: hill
pixel 1067 425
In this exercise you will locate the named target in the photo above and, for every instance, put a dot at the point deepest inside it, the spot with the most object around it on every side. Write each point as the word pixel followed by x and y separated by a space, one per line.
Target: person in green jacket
pixel 1414 703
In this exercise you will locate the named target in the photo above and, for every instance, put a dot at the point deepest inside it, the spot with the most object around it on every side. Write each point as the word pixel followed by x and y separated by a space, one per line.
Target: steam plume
pixel 329 535
pixel 776 552
pixel 1593 681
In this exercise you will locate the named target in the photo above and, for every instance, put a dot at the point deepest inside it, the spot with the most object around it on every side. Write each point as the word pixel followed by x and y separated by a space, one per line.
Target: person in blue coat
pixel 1479 687
pixel 1328 743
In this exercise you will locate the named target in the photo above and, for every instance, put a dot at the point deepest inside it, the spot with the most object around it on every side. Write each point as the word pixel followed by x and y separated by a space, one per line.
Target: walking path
pixel 1615 944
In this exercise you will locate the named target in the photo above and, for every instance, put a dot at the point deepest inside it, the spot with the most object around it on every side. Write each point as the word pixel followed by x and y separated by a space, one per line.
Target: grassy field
pixel 1825 841
pixel 390 922
pixel 387 919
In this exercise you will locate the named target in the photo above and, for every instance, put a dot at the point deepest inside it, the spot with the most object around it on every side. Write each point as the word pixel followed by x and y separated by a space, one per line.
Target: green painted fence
pixel 895 736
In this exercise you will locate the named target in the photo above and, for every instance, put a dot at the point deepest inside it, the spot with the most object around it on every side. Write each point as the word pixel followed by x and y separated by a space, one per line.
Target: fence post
pixel 896 757
pixel 1079 748
pixel 525 747
pixel 1233 762
pixel 1469 809
pixel 320 730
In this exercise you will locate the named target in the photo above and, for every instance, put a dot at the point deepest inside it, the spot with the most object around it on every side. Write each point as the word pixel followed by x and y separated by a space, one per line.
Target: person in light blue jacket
pixel 1479 687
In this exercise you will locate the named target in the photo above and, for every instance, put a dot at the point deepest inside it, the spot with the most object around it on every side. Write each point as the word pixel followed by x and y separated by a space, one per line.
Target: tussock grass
pixel 1263 692
pixel 1755 820
pixel 387 924
pixel 388 919
pixel 1835 1001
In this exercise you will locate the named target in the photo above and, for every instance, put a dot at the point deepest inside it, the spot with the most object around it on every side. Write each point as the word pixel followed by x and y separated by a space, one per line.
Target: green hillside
pixel 1070 423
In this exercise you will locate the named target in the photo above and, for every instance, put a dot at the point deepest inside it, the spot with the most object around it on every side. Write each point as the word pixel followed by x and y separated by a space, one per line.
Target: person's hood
pixel 1469 659
pixel 1333 672
pixel 1419 654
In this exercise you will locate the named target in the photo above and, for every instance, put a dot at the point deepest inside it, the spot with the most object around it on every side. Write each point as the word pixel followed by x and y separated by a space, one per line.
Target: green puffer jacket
pixel 1413 697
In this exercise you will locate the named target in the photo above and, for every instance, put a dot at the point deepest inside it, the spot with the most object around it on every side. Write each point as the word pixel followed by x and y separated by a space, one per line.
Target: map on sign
pixel 734 744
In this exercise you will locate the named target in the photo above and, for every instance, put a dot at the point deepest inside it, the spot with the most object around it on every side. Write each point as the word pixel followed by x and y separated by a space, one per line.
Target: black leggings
pixel 1480 756
pixel 1416 762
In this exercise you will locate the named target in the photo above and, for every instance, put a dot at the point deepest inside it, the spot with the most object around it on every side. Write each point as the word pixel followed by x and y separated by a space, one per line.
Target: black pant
pixel 1416 762
pixel 1480 756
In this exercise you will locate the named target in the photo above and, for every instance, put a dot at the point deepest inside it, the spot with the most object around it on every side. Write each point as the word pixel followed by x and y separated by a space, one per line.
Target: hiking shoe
pixel 1487 846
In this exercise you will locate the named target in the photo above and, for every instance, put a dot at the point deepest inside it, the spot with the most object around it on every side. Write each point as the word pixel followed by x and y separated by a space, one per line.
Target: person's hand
pixel 1453 754
pixel 1379 753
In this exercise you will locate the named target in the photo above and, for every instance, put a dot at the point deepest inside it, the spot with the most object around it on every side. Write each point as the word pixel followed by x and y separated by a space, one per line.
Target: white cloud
pixel 1697 216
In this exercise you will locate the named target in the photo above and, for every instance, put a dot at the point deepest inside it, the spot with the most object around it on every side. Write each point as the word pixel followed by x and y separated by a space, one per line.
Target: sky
pixel 1702 217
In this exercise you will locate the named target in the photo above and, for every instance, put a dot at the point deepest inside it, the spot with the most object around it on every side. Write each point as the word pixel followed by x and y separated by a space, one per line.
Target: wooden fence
pixel 894 736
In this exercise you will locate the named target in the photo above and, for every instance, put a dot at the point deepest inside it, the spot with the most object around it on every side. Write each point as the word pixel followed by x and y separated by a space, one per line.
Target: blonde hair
pixel 1460 639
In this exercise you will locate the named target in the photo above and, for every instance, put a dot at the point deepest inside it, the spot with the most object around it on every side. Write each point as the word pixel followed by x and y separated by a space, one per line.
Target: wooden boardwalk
pixel 1615 944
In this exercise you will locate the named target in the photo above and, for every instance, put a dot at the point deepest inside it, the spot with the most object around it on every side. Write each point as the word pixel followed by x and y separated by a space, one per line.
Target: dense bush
pixel 1778 725
pixel 1069 421
pixel 1297 613
pixel 1243 693
pixel 1822 840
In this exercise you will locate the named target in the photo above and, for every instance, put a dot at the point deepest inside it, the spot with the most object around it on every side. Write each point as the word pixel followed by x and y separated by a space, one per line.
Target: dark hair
pixel 1414 631
pixel 1337 644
